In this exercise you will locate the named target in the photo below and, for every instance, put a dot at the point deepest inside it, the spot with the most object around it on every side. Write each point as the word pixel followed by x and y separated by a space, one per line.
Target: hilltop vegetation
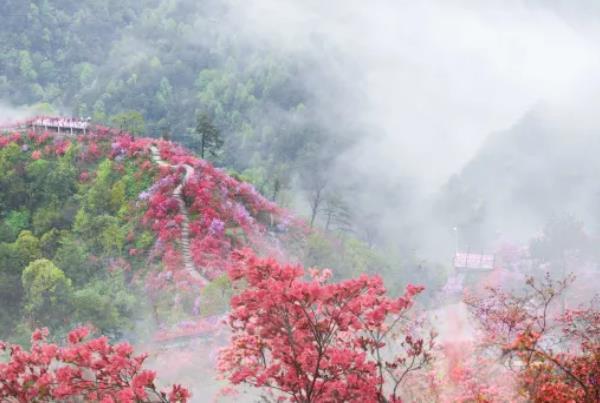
pixel 113 60
pixel 88 224
pixel 90 233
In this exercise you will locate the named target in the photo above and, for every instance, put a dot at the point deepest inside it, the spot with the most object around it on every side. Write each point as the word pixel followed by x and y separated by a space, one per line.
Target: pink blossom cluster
pixel 89 370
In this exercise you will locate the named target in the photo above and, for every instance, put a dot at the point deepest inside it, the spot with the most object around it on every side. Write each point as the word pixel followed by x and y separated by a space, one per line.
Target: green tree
pixel 313 179
pixel 11 291
pixel 72 257
pixel 27 248
pixel 47 217
pixel 99 198
pixel 13 224
pixel 210 137
pixel 48 293
pixel 26 66
pixel 164 93
pixel 50 242
pixel 336 212
pixel 13 188
pixel 131 121
pixel 107 303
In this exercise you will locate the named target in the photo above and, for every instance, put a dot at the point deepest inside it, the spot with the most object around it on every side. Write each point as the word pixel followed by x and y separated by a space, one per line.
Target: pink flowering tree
pixel 83 370
pixel 309 340
pixel 555 354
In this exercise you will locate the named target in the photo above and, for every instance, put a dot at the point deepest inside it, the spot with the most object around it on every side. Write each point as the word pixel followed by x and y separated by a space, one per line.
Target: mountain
pixel 522 178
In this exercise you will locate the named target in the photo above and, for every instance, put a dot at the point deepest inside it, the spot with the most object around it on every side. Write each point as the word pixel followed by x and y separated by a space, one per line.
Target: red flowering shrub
pixel 62 147
pixel 314 341
pixel 84 176
pixel 556 354
pixel 92 152
pixel 89 370
pixel 469 376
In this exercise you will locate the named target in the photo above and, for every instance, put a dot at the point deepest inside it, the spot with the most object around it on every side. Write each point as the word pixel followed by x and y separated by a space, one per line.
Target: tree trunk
pixel 202 146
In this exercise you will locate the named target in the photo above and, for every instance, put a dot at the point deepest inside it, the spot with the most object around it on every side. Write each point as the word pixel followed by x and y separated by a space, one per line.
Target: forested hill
pixel 161 64
pixel 92 230
pixel 525 177
pixel 180 68
pixel 127 232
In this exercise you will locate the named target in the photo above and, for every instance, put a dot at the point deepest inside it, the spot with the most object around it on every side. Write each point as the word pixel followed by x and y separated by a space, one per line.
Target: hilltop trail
pixel 185 225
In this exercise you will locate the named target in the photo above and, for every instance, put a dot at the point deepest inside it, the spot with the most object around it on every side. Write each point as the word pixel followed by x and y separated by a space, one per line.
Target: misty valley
pixel 271 200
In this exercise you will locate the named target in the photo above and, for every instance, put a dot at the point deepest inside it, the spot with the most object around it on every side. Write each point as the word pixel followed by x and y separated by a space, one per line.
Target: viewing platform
pixel 58 124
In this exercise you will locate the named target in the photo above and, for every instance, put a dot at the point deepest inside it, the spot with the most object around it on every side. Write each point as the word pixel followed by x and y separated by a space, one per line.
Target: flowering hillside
pixel 107 219
pixel 114 234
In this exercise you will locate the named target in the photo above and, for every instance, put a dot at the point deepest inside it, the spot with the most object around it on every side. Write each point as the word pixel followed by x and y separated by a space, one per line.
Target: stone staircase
pixel 188 262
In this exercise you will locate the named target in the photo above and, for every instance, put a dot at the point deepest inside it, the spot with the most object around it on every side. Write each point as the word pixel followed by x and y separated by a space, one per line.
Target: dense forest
pixel 141 63
pixel 141 67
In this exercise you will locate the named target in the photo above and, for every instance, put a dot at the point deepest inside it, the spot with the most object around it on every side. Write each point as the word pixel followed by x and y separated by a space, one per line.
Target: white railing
pixel 59 124
pixel 69 124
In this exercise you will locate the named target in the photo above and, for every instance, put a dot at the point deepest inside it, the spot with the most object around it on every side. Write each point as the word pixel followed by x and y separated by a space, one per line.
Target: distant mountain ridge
pixel 522 177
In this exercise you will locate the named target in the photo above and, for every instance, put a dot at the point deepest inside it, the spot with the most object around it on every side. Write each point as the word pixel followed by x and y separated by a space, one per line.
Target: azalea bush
pixel 554 351
pixel 467 374
pixel 88 370
pixel 309 340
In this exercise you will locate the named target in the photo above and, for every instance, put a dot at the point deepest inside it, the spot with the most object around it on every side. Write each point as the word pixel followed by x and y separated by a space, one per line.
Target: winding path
pixel 185 225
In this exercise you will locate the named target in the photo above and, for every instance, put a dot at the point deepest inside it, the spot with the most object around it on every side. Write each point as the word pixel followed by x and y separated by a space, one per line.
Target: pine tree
pixel 210 137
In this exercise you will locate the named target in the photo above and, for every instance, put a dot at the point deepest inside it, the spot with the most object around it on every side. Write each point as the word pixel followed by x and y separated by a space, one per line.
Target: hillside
pixel 127 229
pixel 524 177
pixel 106 59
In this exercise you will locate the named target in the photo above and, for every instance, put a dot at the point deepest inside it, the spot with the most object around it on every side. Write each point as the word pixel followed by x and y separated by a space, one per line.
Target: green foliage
pixel 43 108
pixel 10 287
pixel 50 183
pixel 107 303
pixel 63 234
pixel 50 242
pixel 72 257
pixel 144 240
pixel 99 197
pixel 26 66
pixel 348 256
pixel 14 222
pixel 239 105
pixel 82 56
pixel 117 195
pixel 362 259
pixel 210 141
pixel 131 122
pixel 319 252
pixel 27 248
pixel 13 188
pixel 215 296
pixel 48 293
pixel 47 217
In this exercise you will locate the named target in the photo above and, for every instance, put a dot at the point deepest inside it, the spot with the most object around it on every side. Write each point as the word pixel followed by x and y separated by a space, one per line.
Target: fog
pixel 436 77
pixel 10 113
pixel 433 84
